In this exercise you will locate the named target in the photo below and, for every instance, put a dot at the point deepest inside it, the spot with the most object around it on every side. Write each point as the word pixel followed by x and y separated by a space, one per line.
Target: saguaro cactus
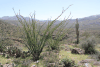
pixel 77 32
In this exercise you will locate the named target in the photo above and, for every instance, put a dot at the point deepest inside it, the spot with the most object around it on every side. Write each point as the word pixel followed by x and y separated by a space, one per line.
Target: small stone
pixel 87 65
pixel 33 66
pixel 1 53
pixel 61 66
pixel 97 63
pixel 87 61
pixel 51 65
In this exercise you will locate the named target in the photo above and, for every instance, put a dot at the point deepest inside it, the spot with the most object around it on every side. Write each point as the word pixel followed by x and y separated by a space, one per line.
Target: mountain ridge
pixel 89 21
pixel 15 18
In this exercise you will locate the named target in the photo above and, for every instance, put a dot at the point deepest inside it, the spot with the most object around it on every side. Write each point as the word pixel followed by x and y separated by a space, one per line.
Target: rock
pixel 87 65
pixel 71 44
pixel 96 63
pixel 77 51
pixel 1 53
pixel 51 65
pixel 8 65
pixel 33 66
pixel 88 61
pixel 61 65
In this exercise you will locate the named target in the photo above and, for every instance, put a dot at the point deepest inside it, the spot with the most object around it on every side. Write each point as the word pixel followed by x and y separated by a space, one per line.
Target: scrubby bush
pixel 7 56
pixel 26 63
pixel 17 61
pixel 14 51
pixel 96 56
pixel 68 62
pixel 2 46
pixel 50 59
pixel 20 63
pixel 89 45
pixel 25 54
pixel 86 34
pixel 36 42
pixel 54 44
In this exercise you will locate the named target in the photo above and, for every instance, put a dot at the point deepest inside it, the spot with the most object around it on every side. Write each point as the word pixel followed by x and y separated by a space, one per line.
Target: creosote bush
pixel 68 62
pixel 89 45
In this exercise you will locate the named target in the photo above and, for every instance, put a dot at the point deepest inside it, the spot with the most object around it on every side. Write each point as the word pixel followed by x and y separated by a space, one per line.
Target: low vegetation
pixel 46 45
pixel 89 45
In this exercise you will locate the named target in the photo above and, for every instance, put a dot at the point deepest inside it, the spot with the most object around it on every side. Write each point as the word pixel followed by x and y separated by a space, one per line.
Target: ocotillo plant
pixel 77 31
pixel 35 42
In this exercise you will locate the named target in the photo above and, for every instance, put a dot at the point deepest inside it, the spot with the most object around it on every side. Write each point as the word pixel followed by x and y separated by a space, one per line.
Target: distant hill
pixel 86 22
pixel 12 17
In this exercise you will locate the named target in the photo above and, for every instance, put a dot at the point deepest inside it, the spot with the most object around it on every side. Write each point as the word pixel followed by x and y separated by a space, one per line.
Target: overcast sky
pixel 46 9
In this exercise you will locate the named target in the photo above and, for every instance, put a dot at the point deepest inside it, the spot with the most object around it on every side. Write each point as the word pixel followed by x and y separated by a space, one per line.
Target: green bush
pixel 68 62
pixel 2 46
pixel 14 50
pixel 89 45
pixel 25 54
pixel 54 44
pixel 33 32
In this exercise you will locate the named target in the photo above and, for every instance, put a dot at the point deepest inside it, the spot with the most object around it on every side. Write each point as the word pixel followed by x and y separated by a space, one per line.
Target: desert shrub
pixel 89 45
pixel 96 56
pixel 68 62
pixel 54 44
pixel 75 42
pixel 25 54
pixel 61 63
pixel 36 42
pixel 14 51
pixel 2 46
pixel 17 61
pixel 25 63
pixel 62 47
pixel 50 59
pixel 20 63
pixel 86 34
pixel 7 56
pixel 18 53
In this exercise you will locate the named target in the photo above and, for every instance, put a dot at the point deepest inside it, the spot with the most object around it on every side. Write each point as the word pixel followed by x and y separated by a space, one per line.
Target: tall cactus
pixel 77 32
